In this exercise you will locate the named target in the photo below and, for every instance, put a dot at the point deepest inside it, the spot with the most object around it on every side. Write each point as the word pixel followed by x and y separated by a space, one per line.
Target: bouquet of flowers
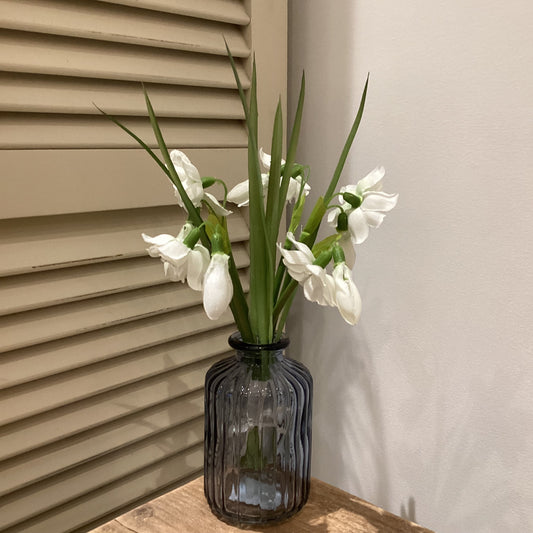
pixel 201 253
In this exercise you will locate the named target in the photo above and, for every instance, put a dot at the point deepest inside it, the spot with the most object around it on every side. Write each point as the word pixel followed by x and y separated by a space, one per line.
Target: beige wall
pixel 427 404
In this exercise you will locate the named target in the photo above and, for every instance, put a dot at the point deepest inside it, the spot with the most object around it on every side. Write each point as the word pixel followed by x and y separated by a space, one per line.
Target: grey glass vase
pixel 257 434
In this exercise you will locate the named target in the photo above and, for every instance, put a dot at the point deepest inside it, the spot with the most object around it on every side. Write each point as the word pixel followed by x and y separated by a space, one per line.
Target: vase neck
pixel 251 352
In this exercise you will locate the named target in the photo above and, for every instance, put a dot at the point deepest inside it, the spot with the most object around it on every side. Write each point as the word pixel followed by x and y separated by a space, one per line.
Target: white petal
pixel 265 158
pixel 175 252
pixel 240 194
pixel 175 273
pixel 215 206
pixel 333 215
pixel 358 226
pixel 374 218
pixel 347 296
pixel 348 249
pixel 320 286
pixel 293 191
pixel 156 242
pixel 379 201
pixel 185 169
pixel 218 289
pixel 197 263
pixel 301 247
pixel 371 182
pixel 185 230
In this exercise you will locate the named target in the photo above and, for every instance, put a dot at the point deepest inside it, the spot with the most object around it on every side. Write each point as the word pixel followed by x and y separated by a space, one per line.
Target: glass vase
pixel 257 434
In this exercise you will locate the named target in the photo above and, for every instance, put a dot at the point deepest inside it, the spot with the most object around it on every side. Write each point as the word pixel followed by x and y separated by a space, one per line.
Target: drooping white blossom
pixel 374 205
pixel 218 288
pixel 240 194
pixel 346 295
pixel 316 282
pixel 192 183
pixel 180 262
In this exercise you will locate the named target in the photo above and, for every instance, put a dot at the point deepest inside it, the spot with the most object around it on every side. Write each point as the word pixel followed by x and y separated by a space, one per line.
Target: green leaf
pixel 344 154
pixel 139 140
pixel 291 153
pixel 238 81
pixel 194 215
pixel 275 174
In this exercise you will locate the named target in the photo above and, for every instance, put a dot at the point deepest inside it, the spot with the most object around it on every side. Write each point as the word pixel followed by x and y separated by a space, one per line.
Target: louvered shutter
pixel 102 360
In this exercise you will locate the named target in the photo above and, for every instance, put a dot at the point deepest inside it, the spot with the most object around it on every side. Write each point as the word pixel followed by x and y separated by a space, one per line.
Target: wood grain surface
pixel 185 510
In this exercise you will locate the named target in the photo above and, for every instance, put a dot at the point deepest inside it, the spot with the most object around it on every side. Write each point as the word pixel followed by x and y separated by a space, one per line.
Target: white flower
pixel 347 298
pixel 371 212
pixel 192 183
pixel 180 262
pixel 218 288
pixel 240 194
pixel 316 283
pixel 293 191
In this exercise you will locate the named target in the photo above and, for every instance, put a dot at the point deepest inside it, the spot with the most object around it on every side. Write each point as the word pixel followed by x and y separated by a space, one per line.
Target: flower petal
pixel 374 218
pixel 333 215
pixel 379 201
pixel 156 242
pixel 358 226
pixel 175 252
pixel 215 205
pixel 185 169
pixel 218 288
pixel 348 249
pixel 347 296
pixel 240 194
pixel 197 263
pixel 371 182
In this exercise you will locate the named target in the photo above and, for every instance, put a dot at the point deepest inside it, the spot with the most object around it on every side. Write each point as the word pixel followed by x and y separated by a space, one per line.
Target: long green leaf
pixel 275 174
pixel 237 79
pixel 291 152
pixel 347 146
pixel 139 140
pixel 191 209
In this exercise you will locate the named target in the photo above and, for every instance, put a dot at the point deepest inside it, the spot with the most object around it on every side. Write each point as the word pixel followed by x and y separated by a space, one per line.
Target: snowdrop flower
pixel 347 298
pixel 295 183
pixel 373 204
pixel 240 194
pixel 218 288
pixel 192 183
pixel 183 257
pixel 317 284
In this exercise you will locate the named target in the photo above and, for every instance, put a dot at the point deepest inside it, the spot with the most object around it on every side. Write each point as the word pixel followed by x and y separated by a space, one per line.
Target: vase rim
pixel 235 341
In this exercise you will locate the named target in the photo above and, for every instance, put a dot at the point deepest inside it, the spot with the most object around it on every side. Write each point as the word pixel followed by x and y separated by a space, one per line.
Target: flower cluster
pixel 201 253
pixel 361 206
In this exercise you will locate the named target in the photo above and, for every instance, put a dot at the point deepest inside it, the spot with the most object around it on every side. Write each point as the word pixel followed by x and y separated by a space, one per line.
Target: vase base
pixel 248 522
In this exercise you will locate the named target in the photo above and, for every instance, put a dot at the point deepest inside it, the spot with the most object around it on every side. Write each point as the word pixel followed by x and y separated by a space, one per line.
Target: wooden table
pixel 185 510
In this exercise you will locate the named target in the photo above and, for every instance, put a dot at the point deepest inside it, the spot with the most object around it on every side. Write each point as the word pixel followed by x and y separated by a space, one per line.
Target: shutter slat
pixel 53 426
pixel 65 56
pixel 38 131
pixel 42 289
pixel 138 486
pixel 54 492
pixel 115 23
pixel 102 181
pixel 56 391
pixel 232 11
pixel 56 322
pixel 72 240
pixel 43 462
pixel 60 94
pixel 36 362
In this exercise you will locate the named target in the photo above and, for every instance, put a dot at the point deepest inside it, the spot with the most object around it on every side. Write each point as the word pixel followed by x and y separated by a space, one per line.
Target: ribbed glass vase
pixel 257 434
